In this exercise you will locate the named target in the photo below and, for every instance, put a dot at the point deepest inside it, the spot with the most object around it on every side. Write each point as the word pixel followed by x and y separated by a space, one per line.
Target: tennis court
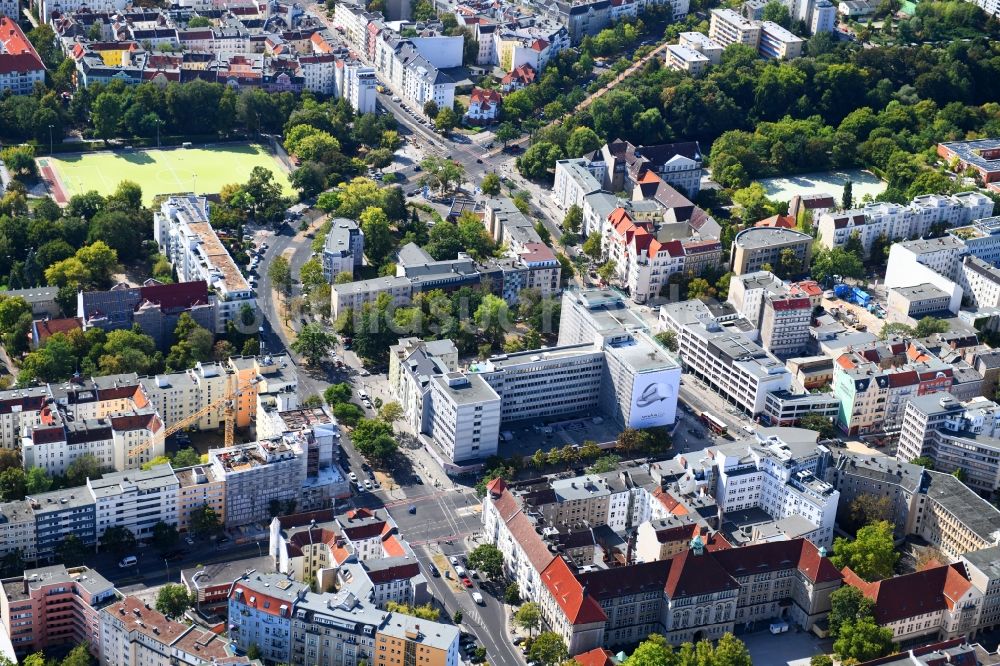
pixel 202 169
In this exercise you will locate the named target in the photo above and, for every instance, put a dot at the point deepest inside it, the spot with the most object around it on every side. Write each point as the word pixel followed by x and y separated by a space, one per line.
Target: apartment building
pixel 757 246
pixel 20 409
pixel 296 626
pixel 355 295
pixel 154 307
pixel 344 249
pixel 20 66
pixel 199 487
pixel 17 529
pixel 740 370
pixel 60 513
pixel 255 475
pixel 178 395
pixel 980 283
pixel 955 435
pixel 875 383
pixel 643 263
pixel 782 313
pixel 730 27
pixel 185 236
pixel 133 632
pixel 573 182
pixel 703 44
pixel 895 221
pixel 119 442
pixel 136 500
pixel 777 43
pixel 980 239
pixel 824 17
pixel 621 166
pixel 684 59
pixel 408 640
pixel 412 363
pixel 50 607
pixel 360 87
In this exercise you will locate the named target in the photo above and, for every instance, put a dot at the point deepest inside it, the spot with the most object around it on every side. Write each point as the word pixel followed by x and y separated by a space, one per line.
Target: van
pixel 460 572
pixel 478 598
pixel 779 627
pixel 129 561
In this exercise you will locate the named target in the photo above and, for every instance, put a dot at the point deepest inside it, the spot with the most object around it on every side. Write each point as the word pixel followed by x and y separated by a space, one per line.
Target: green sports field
pixel 203 169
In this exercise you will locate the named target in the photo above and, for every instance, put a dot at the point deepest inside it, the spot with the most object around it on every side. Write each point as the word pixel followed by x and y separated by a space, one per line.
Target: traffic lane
pixel 483 628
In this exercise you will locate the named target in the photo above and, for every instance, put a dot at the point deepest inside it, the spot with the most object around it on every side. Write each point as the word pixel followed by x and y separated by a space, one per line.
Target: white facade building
pixel 185 236
pixel 136 500
pixel 465 420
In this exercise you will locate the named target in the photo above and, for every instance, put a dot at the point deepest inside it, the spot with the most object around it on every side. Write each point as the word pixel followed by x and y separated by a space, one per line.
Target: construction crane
pixel 228 402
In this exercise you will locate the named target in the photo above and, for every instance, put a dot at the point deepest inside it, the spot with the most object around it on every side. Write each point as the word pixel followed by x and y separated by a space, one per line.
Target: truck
pixel 779 627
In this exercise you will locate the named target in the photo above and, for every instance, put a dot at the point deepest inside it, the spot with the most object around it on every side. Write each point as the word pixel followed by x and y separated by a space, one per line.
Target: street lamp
pixel 50 139
pixel 158 123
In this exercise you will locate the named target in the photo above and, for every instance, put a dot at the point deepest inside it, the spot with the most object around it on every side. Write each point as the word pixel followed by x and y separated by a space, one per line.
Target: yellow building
pixel 199 486
pixel 404 640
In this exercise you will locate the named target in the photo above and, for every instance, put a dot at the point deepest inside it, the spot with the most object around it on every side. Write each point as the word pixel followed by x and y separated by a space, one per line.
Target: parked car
pixel 453 560
pixel 435 572
pixel 128 561
pixel 478 598
pixel 466 582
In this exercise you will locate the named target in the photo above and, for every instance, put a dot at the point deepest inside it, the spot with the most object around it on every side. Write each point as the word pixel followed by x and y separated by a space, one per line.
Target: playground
pixel 202 169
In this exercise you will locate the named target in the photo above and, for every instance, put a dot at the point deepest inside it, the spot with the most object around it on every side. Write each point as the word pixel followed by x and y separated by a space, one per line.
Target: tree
pixel 604 464
pixel 84 467
pixel 836 261
pixel 441 173
pixel 867 509
pixel 373 439
pixel 71 551
pixel 778 13
pixel 548 648
pixel 700 288
pixel 528 616
pixel 347 413
pixel 337 393
pixel 821 660
pixel 186 457
pixel 118 539
pixel 847 603
pixel 378 236
pixel 313 343
pixel 847 197
pixel 820 424
pixel 280 274
pixel 863 640
pixel 537 162
pixel 311 273
pixel 13 484
pixel 512 595
pixel 871 555
pixel 165 536
pixel 573 219
pixel 425 612
pixel 430 108
pixel 732 652
pixel 390 412
pixel 253 651
pixel 487 559
pixel 490 185
pixel 173 599
pixel 205 521
pixel 493 318
pixel 654 651
pixel 581 141
pixel 446 120
pixel 924 461
pixel 20 160
pixel 592 246
pixel 928 326
pixel 668 339
pixel 607 271
pixel 78 656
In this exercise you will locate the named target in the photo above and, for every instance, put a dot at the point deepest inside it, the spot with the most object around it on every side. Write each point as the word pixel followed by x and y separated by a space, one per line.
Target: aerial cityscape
pixel 507 332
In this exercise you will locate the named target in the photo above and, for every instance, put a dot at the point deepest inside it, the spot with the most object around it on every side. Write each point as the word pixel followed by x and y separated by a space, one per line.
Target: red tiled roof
pixel 485 96
pixel 578 607
pixel 669 502
pixel 45 328
pixel 179 295
pixel 692 575
pixel 402 571
pixel 764 557
pixel 523 531
pixel 596 657
pixel 392 547
pixel 17 53
pixel 926 591
pixel 642 578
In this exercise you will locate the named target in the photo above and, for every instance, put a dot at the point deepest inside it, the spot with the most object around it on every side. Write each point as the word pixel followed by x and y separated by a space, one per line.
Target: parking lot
pixel 529 437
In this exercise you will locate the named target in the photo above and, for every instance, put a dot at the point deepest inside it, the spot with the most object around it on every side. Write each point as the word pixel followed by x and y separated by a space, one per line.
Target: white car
pixel 354 477
pixel 368 484
pixel 453 560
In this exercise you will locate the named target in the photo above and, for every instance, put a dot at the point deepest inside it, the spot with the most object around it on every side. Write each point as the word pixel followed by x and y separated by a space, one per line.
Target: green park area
pixel 203 169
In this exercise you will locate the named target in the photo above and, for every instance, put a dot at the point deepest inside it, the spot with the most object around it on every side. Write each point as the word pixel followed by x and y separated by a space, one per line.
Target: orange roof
pixel 648 177
pixel 596 657
pixel 670 502
pixel 392 547
pixel 913 594
pixel 578 607
pixel 782 221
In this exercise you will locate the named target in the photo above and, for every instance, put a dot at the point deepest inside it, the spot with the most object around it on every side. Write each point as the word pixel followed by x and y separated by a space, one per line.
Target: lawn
pixel 161 171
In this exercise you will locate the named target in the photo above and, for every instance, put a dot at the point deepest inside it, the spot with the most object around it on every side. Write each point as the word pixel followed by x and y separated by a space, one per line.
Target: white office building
pixel 573 182
pixel 344 248
pixel 360 85
pixel 737 368
pixel 465 417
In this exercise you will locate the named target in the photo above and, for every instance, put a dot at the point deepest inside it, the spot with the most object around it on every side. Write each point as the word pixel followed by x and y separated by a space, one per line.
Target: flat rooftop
pixel 975 513
pixel 920 292
pixel 760 237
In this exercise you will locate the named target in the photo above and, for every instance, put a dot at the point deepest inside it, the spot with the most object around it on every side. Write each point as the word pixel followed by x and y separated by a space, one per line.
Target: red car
pixel 466 582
